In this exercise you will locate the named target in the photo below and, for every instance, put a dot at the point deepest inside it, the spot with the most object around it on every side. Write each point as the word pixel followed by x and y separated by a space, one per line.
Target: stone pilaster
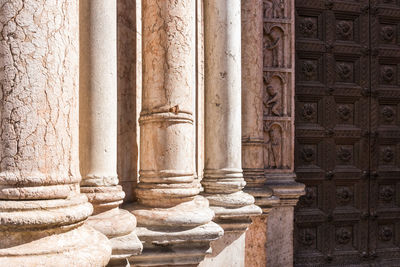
pixel 279 77
pixel 41 209
pixel 279 100
pixel 98 134
pixel 223 176
pixel 253 105
pixel 174 222
pixel 253 129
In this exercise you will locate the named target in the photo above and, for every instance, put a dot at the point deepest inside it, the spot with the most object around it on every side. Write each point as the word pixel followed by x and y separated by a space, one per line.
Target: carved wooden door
pixel 347 148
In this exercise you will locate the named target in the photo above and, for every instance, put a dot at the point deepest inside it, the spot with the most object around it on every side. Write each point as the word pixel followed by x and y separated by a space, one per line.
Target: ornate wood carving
pixel 347 132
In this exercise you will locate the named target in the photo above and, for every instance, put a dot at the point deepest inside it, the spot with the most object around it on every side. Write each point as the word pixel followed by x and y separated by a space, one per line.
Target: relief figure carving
pixel 272 104
pixel 274 9
pixel 274 47
pixel 274 147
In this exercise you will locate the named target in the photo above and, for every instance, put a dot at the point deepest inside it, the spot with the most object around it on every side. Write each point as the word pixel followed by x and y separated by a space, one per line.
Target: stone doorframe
pixel 275 23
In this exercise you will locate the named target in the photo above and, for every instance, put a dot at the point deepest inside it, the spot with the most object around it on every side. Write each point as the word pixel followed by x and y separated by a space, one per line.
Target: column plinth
pixel 42 212
pixel 285 187
pixel 223 175
pixel 174 221
pixel 99 129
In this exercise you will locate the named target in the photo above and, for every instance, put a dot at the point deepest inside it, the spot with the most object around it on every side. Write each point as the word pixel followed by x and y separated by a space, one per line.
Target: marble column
pixel 42 212
pixel 174 222
pixel 98 74
pixel 223 175
pixel 253 129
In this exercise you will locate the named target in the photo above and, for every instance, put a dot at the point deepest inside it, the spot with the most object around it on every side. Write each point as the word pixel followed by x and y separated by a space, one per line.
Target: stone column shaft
pixel 223 176
pixel 99 128
pixel 41 209
pixel 170 212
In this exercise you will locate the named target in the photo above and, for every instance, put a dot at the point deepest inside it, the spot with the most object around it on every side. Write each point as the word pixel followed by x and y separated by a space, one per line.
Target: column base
pixel 119 226
pixel 45 232
pixel 179 235
pixel 233 212
pixel 175 246
pixel 82 246
pixel 285 187
pixel 264 198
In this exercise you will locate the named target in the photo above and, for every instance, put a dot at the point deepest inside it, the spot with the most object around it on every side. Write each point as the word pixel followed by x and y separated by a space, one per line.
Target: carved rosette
pixel 279 97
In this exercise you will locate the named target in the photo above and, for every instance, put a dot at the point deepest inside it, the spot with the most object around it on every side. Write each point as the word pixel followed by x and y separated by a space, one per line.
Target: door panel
pixel 332 131
pixel 385 130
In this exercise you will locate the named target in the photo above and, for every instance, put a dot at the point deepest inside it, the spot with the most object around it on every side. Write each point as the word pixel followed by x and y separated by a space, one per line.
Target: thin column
pixel 41 209
pixel 223 176
pixel 174 222
pixel 99 128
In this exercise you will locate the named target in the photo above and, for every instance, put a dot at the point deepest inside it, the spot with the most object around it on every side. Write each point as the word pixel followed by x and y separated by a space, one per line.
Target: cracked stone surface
pixel 41 209
pixel 174 222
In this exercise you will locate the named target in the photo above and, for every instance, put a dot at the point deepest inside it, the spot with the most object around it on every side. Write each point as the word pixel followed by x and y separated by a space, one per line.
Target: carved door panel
pixel 385 131
pixel 332 125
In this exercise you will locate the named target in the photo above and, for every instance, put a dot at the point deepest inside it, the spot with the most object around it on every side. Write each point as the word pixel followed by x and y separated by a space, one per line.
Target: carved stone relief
pixel 274 44
pixel 274 146
pixel 276 141
pixel 275 92
pixel 278 83
pixel 274 9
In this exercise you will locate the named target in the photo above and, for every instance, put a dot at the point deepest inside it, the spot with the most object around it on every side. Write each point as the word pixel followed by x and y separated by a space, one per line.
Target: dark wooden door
pixel 348 132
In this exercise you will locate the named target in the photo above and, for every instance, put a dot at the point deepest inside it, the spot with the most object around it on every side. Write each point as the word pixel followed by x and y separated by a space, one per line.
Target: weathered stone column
pixel 174 222
pixel 41 209
pixel 99 128
pixel 223 176
pixel 253 129
pixel 279 35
